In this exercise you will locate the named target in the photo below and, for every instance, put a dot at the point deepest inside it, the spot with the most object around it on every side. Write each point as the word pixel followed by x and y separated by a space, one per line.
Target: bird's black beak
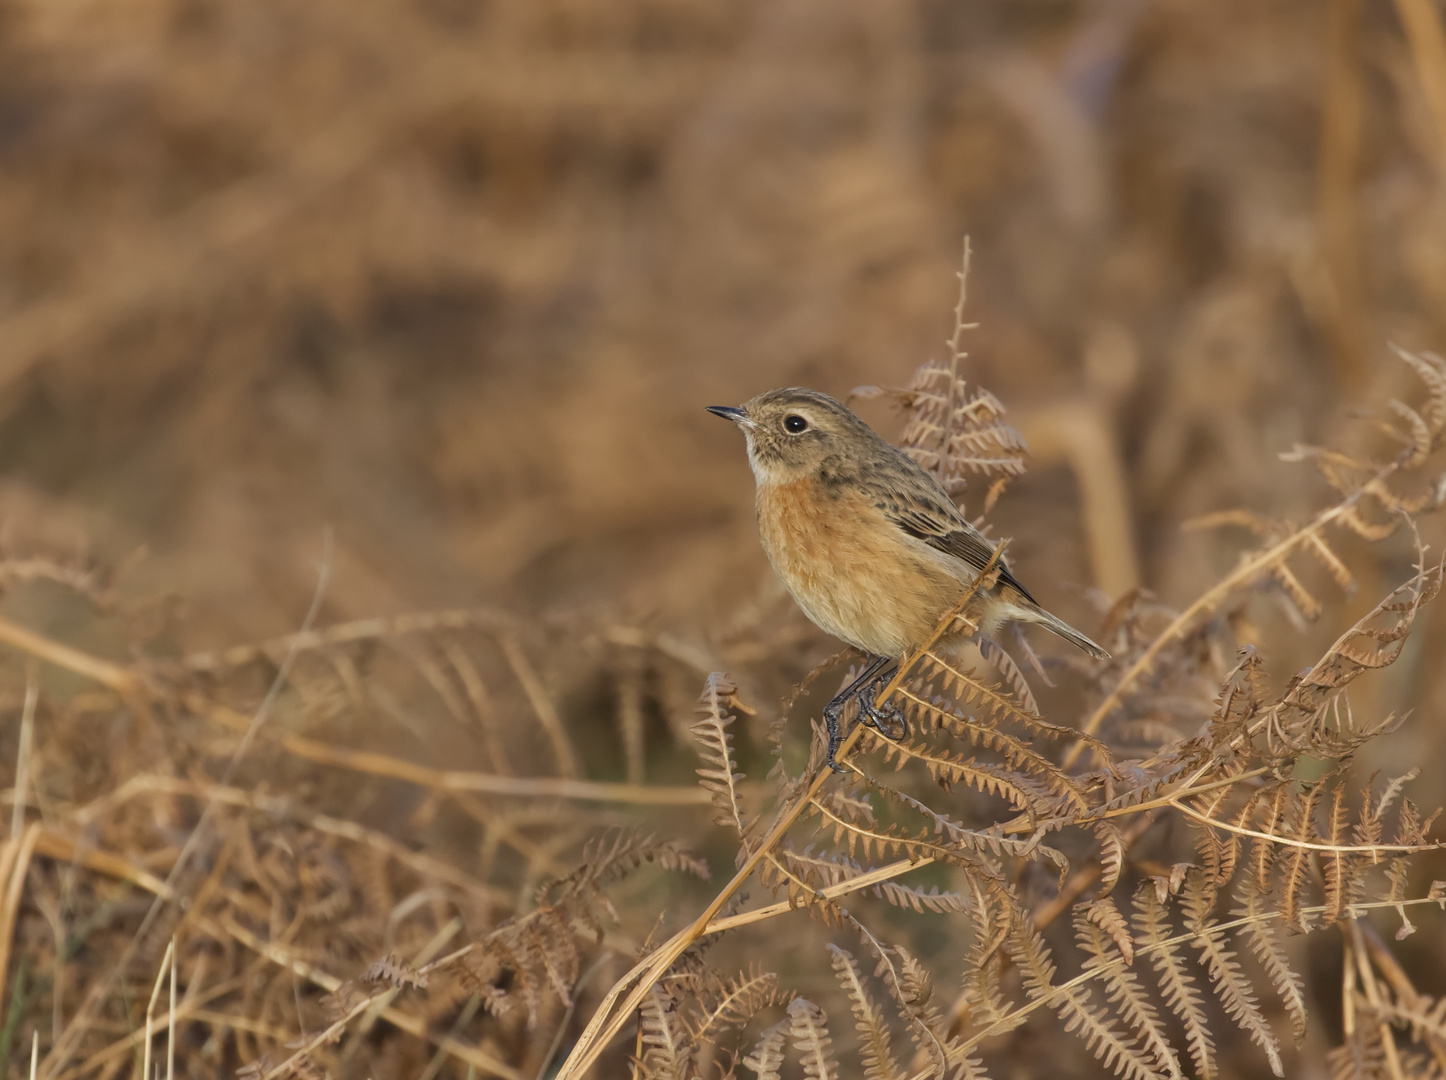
pixel 730 412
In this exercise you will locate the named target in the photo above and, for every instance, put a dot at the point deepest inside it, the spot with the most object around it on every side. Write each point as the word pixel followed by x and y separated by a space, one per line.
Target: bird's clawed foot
pixel 886 719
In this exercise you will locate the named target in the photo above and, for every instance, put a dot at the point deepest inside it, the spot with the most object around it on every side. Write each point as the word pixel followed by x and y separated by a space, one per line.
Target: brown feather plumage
pixel 870 546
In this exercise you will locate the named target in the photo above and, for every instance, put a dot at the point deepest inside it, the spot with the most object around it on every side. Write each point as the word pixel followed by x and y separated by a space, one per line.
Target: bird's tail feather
pixel 1056 625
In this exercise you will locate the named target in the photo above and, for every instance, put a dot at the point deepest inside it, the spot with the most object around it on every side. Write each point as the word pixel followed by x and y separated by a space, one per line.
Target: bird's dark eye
pixel 794 424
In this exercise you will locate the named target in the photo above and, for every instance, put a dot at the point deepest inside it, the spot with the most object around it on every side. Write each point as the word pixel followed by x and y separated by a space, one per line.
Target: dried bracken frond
pixel 667 1051
pixel 955 433
pixel 531 955
pixel 391 970
pixel 808 1027
pixel 873 1028
pixel 719 775
pixel 1260 928
pixel 949 430
pixel 734 1002
pixel 767 1058
pixel 618 853
pixel 1114 1048
pixel 1102 932
pixel 912 988
pixel 1231 984
pixel 1177 985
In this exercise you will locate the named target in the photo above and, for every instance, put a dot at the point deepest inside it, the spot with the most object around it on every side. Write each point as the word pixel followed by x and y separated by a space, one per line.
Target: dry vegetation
pixel 378 335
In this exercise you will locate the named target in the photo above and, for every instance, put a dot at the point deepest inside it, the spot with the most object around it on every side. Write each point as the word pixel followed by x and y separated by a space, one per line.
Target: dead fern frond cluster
pixel 1251 790
pixel 1129 875
pixel 952 431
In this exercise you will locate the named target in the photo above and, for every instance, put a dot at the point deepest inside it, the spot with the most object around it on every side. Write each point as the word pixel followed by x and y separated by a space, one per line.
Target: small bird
pixel 869 545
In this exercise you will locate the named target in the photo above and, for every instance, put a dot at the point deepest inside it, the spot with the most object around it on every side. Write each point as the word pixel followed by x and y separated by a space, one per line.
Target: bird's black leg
pixel 868 680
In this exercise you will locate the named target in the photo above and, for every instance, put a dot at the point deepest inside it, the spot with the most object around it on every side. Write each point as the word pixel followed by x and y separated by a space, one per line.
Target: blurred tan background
pixel 457 277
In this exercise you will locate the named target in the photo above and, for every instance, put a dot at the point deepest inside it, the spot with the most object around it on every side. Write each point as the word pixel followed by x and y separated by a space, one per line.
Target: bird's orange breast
pixel 851 569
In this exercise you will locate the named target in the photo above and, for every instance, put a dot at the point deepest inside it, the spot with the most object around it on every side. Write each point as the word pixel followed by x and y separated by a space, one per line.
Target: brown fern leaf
pixel 1336 864
pixel 1104 936
pixel 1361 1057
pixel 1431 370
pixel 1277 801
pixel 1112 855
pixel 1134 783
pixel 1414 431
pixel 878 842
pixel 984 959
pixel 1374 809
pixel 528 970
pixel 1362 484
pixel 808 1027
pixel 503 976
pixel 667 1046
pixel 850 819
pixel 1286 539
pixel 1177 985
pixel 1305 603
pixel 1231 985
pixel 991 701
pixel 846 805
pixel 965 844
pixel 913 991
pixel 951 432
pixel 1113 1047
pixel 719 774
pixel 932 900
pixel 804 874
pixel 1005 664
pixel 1242 695
pixel 1347 474
pixel 1397 880
pixel 874 1040
pixel 392 971
pixel 766 1061
pixel 1102 913
pixel 1018 754
pixel 548 940
pixel 1422 1015
pixel 1219 850
pixel 735 1002
pixel 1294 878
pixel 525 957
pixel 817 870
pixel 1375 641
pixel 1259 927
pixel 614 855
pixel 1323 553
pixel 948 769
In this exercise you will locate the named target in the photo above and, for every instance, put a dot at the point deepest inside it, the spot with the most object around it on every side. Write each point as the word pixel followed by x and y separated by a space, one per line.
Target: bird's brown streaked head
pixel 793 432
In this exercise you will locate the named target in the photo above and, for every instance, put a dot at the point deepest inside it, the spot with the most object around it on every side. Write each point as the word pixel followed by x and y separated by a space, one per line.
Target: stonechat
pixel 870 546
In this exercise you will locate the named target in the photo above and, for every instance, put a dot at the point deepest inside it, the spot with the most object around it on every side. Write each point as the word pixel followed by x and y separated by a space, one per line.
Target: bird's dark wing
pixel 914 501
